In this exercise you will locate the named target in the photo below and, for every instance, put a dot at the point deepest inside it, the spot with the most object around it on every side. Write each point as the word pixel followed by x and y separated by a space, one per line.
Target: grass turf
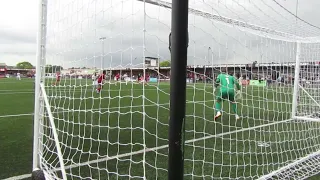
pixel 111 125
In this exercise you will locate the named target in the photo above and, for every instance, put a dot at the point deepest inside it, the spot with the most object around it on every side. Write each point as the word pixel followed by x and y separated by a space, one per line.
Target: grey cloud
pixel 19 53
pixel 8 36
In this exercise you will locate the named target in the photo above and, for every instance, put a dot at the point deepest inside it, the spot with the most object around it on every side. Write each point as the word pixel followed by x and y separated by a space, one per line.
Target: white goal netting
pixel 119 129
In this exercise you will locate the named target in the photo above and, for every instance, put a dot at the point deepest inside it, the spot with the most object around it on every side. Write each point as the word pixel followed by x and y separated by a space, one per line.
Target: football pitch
pixel 122 133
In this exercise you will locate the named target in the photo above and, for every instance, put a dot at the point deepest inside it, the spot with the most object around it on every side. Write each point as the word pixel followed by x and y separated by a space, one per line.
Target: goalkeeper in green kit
pixel 227 84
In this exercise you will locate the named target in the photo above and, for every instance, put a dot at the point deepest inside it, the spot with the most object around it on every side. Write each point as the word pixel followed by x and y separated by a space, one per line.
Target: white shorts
pixel 95 83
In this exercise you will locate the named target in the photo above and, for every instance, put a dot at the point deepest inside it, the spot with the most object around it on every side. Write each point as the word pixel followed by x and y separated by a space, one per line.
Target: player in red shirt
pixel 146 79
pixel 58 78
pixel 101 79
pixel 117 78
pixel 139 77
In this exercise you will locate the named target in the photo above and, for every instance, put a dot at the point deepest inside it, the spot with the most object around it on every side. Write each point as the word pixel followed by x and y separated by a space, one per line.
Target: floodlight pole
pixel 178 46
pixel 102 56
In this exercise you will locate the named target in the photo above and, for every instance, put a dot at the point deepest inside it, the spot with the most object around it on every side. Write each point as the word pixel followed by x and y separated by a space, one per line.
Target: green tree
pixel 166 63
pixel 24 65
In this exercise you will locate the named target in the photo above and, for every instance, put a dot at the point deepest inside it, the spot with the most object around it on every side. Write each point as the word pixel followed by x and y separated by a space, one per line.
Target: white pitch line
pixel 111 108
pixel 15 115
pixel 79 90
pixel 89 110
pixel 1 93
pixel 24 176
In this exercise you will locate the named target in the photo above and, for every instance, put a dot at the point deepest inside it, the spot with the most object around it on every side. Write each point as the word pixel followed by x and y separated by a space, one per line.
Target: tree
pixel 53 68
pixel 24 65
pixel 166 63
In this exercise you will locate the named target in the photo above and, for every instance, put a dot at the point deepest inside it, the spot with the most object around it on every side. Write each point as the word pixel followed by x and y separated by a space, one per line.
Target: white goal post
pixel 115 126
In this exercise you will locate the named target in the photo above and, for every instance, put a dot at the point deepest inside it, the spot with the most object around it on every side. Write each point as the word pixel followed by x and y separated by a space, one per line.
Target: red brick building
pixel 12 71
pixel 3 70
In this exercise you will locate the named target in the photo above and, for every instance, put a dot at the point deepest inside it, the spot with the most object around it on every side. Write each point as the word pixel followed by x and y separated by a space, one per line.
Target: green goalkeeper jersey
pixel 227 83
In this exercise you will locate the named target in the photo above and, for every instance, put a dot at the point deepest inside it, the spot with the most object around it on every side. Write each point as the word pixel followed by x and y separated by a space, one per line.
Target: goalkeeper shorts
pixel 222 95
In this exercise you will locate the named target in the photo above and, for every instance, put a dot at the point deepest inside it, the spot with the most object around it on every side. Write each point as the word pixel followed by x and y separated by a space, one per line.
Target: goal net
pixel 115 126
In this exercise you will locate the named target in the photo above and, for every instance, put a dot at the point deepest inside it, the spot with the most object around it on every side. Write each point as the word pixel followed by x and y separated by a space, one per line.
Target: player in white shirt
pixel 269 80
pixel 94 80
pixel 240 80
pixel 126 78
pixel 18 76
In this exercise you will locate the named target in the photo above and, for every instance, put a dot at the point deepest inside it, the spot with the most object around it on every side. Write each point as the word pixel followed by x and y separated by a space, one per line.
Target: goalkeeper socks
pixel 218 106
pixel 234 107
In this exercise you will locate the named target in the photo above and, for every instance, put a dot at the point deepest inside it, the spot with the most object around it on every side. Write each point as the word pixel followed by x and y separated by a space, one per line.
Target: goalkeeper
pixel 227 84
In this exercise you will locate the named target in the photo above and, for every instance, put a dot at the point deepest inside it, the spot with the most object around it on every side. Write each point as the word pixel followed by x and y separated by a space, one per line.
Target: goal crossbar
pixel 233 22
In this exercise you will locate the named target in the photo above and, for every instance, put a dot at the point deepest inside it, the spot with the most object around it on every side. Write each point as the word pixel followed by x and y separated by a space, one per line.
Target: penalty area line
pixel 15 115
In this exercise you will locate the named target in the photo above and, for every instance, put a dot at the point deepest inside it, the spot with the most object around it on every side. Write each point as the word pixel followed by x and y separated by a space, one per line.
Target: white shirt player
pixel 240 79
pixel 125 76
pixel 93 77
pixel 18 76
pixel 94 80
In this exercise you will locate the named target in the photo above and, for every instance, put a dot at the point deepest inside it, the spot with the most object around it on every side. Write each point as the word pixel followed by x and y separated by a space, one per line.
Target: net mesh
pixel 122 131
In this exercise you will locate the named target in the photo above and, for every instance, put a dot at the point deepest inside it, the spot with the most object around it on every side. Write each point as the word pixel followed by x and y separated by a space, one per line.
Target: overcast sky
pixel 75 26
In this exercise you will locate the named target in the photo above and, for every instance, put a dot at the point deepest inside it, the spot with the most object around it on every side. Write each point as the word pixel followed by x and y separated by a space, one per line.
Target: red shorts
pixel 117 79
pixel 58 79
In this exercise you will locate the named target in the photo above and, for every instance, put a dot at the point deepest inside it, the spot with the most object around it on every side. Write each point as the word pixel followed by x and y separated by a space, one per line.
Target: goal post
pixel 40 72
pixel 306 106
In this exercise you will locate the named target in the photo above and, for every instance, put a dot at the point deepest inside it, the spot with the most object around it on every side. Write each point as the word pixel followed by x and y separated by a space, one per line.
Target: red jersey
pixel 117 76
pixel 101 78
pixel 147 78
pixel 58 76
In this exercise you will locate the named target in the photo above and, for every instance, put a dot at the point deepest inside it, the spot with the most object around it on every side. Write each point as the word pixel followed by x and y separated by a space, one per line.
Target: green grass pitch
pixel 103 135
